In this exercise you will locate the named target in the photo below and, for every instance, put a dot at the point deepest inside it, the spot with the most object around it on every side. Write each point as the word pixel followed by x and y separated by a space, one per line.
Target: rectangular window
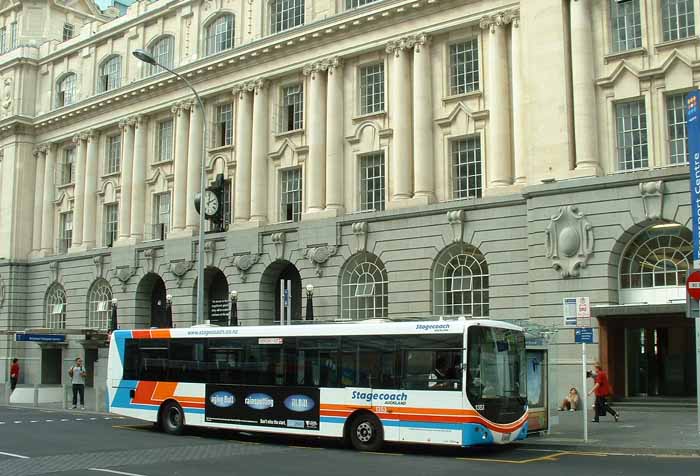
pixel 631 122
pixel 161 216
pixel 678 19
pixel 114 154
pixel 67 31
pixel 227 203
pixel 350 4
pixel 286 14
pixel 165 140
pixel 290 195
pixel 372 88
pixel 65 232
pixel 13 35
pixel 224 120
pixel 110 219
pixel 626 25
pixel 220 35
pixel 372 182
pixel 464 67
pixel 466 167
pixel 68 166
pixel 3 40
pixel 292 112
pixel 677 128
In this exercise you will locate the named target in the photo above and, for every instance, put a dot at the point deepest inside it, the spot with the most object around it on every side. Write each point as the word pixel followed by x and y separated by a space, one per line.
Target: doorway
pixel 150 302
pixel 90 359
pixel 51 360
pixel 216 299
pixel 271 295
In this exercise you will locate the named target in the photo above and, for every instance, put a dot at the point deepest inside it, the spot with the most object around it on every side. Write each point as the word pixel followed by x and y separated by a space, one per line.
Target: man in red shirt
pixel 14 374
pixel 602 390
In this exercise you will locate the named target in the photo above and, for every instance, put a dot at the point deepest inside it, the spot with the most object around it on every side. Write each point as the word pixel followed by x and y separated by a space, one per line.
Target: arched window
pixel 163 50
pixel 55 317
pixel 65 90
pixel 658 257
pixel 461 283
pixel 220 34
pixel 99 305
pixel 110 74
pixel 364 288
pixel 286 14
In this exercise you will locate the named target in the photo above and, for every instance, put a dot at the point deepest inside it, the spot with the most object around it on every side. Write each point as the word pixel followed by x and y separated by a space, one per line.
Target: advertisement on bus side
pixel 288 407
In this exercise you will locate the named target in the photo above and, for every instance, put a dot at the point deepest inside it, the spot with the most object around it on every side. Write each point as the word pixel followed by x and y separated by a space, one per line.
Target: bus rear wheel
pixel 366 433
pixel 172 418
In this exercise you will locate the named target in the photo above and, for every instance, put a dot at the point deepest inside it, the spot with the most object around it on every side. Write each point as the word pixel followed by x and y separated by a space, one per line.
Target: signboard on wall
pixel 218 310
pixel 693 125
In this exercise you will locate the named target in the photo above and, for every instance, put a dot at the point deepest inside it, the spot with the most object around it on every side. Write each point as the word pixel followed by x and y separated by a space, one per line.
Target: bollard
pixel 36 395
pixel 65 397
pixel 7 392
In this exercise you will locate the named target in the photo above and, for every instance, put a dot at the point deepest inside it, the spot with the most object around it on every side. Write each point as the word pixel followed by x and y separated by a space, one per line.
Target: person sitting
pixel 439 377
pixel 571 401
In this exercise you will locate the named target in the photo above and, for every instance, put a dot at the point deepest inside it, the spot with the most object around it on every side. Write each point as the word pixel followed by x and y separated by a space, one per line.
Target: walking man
pixel 77 375
pixel 602 390
pixel 14 374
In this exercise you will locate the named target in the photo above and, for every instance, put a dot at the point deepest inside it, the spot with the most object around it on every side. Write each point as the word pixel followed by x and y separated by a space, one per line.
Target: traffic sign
pixel 693 285
pixel 583 335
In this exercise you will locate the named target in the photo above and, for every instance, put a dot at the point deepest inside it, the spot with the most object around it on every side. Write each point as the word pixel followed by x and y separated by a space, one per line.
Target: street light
pixel 146 57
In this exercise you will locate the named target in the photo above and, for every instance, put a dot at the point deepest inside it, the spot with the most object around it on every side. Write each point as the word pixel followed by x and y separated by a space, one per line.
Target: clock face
pixel 211 203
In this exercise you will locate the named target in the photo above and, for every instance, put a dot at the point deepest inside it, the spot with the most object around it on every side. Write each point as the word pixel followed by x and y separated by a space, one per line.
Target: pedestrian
pixel 602 390
pixel 14 374
pixel 77 375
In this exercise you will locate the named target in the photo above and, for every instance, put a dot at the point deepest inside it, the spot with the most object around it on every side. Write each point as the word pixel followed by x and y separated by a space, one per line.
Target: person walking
pixel 77 375
pixel 602 390
pixel 14 374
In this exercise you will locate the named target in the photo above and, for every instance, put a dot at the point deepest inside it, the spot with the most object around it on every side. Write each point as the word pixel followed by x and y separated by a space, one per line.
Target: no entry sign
pixel 693 285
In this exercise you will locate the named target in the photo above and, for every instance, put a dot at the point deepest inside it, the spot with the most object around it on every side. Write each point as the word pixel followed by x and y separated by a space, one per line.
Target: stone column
pixel 261 118
pixel 424 185
pixel 138 191
pixel 89 222
pixel 80 141
pixel 498 100
pixel 47 244
pixel 583 85
pixel 334 137
pixel 40 155
pixel 127 127
pixel 401 169
pixel 194 166
pixel 316 134
pixel 182 134
pixel 519 153
pixel 243 152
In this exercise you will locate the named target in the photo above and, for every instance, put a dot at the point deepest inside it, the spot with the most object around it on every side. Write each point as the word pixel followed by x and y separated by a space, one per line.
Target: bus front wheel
pixel 366 433
pixel 172 418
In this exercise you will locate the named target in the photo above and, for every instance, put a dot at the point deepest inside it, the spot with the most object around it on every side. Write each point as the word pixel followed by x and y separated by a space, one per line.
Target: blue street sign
pixel 583 335
pixel 286 297
pixel 40 338
pixel 694 157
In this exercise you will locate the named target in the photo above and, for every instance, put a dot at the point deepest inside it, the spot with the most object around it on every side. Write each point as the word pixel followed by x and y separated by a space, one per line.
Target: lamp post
pixel 309 302
pixel 146 57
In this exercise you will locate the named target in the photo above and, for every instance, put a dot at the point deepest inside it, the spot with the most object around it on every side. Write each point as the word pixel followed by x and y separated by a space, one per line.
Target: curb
pixel 608 450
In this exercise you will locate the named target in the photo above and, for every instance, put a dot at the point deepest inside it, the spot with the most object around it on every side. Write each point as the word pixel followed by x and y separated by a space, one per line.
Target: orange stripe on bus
pixel 164 390
pixel 141 334
pixel 402 410
pixel 160 334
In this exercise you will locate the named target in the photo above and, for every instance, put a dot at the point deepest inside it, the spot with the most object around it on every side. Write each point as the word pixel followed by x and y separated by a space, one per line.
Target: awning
pixel 637 310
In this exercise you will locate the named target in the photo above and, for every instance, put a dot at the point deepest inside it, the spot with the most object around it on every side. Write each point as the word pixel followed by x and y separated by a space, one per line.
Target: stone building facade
pixel 406 158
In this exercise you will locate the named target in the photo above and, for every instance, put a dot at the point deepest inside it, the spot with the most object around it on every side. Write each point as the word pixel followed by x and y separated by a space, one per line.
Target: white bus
pixel 440 382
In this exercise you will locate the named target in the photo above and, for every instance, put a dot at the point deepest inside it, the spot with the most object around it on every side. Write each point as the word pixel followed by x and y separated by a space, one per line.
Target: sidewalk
pixel 638 431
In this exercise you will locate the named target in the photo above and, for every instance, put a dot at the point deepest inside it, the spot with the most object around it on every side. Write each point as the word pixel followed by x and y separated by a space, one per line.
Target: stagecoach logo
pixel 222 399
pixel 299 403
pixel 433 327
pixel 259 401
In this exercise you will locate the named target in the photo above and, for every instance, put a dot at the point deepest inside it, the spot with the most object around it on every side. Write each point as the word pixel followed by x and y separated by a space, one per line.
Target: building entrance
pixel 271 293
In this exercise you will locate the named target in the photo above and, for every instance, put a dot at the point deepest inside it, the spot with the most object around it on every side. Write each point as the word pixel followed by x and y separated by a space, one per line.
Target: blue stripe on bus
pixel 327 419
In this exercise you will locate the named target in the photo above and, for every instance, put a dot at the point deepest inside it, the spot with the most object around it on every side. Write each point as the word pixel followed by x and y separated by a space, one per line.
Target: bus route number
pixel 380 409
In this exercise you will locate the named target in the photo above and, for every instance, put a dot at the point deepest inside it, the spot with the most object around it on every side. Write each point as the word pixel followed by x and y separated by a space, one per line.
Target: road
pixel 80 443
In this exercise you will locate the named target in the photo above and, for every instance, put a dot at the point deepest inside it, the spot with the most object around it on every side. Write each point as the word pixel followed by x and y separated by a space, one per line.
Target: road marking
pixel 93 419
pixel 380 453
pixel 18 421
pixel 14 455
pixel 49 421
pixel 64 419
pixel 552 457
pixel 78 419
pixel 133 427
pixel 33 421
pixel 114 472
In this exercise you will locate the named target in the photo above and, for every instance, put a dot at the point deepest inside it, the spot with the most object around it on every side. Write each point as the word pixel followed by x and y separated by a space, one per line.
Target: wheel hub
pixel 365 432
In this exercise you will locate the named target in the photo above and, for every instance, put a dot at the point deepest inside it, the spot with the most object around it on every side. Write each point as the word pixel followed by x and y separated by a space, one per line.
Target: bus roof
pixel 357 328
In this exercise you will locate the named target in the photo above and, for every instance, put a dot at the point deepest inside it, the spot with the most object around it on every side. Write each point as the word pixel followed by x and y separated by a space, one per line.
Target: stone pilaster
pixel 497 98
pixel 334 136
pixel 40 164
pixel 424 185
pixel 244 120
pixel 401 168
pixel 80 141
pixel 259 150
pixel 316 135
pixel 127 127
pixel 194 166
pixel 89 215
pixel 182 134
pixel 138 190
pixel 519 152
pixel 47 243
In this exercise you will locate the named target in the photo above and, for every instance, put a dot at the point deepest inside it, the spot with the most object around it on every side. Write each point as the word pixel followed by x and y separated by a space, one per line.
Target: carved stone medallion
pixel 569 241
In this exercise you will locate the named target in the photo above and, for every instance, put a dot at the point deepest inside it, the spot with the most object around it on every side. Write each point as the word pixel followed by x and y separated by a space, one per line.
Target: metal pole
pixel 282 318
pixel 585 392
pixel 202 186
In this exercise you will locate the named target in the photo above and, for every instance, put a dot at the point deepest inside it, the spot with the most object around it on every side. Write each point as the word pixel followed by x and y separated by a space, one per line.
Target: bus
pixel 459 382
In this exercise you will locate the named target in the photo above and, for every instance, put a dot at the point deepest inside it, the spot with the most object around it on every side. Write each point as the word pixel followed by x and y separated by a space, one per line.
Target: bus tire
pixel 366 432
pixel 172 419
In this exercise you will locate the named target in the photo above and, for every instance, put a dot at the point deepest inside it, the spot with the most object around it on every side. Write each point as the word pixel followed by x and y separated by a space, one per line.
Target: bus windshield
pixel 496 372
